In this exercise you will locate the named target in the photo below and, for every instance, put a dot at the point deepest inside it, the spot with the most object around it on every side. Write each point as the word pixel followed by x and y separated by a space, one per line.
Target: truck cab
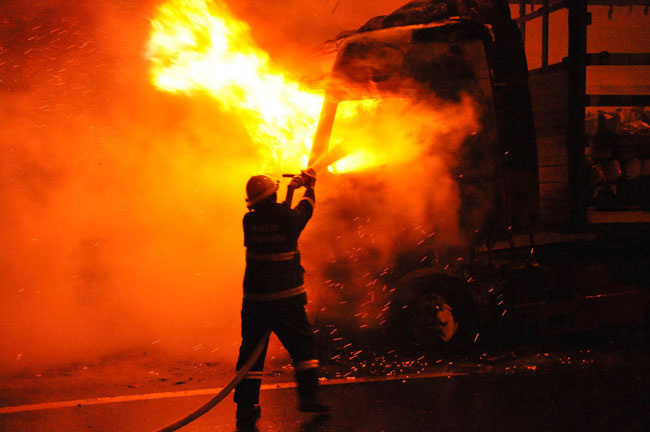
pixel 445 59
pixel 532 262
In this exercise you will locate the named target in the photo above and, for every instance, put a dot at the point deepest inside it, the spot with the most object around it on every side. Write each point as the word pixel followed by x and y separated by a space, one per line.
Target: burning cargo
pixel 618 158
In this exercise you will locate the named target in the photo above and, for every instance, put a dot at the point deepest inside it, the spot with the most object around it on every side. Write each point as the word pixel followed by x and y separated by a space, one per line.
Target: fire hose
pixel 325 160
pixel 224 391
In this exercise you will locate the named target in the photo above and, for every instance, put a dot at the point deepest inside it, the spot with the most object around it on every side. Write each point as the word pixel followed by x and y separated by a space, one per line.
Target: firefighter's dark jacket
pixel 271 238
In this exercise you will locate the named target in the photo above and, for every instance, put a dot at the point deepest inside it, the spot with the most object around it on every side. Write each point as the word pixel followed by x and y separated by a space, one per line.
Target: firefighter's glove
pixel 296 182
pixel 309 178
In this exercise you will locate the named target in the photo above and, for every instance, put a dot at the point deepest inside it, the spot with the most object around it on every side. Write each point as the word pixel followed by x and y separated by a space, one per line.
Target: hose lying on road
pixel 224 391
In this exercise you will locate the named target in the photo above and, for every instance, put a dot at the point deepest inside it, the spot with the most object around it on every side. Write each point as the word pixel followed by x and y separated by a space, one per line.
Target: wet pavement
pixel 533 388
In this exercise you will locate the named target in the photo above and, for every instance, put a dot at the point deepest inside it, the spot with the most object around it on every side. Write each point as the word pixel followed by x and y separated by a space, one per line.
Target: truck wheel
pixel 434 310
pixel 446 326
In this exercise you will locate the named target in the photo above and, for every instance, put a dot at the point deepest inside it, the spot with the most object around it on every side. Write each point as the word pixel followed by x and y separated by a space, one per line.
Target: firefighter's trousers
pixel 288 320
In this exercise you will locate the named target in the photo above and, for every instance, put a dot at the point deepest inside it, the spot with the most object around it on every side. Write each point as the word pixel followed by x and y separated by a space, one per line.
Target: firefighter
pixel 274 295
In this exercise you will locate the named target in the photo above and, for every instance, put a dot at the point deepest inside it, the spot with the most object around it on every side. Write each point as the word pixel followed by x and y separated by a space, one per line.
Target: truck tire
pixel 434 311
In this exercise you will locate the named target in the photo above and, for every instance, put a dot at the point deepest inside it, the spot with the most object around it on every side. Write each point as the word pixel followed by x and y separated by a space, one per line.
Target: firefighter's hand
pixel 296 182
pixel 309 178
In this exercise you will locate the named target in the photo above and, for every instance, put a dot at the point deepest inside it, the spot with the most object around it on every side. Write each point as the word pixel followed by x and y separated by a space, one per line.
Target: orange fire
pixel 197 46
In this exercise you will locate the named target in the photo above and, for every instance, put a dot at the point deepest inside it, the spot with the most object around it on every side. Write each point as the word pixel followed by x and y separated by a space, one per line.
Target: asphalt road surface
pixel 606 389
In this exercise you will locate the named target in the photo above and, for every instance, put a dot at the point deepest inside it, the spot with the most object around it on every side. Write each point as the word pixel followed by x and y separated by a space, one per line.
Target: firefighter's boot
pixel 308 392
pixel 247 416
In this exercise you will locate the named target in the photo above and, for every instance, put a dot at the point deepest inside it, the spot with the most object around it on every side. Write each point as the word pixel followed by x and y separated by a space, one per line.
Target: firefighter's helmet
pixel 258 188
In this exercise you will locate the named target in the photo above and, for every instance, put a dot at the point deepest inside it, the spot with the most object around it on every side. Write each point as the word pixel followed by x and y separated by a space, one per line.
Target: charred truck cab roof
pixel 449 58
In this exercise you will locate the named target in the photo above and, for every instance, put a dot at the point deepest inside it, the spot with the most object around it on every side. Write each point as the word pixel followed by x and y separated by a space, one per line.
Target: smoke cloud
pixel 121 206
pixel 403 212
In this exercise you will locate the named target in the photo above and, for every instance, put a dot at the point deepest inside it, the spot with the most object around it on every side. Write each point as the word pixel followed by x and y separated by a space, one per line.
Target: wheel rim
pixel 446 324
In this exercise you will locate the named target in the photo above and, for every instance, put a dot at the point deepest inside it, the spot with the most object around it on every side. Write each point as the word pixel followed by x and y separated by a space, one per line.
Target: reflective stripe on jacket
pixel 283 256
pixel 276 295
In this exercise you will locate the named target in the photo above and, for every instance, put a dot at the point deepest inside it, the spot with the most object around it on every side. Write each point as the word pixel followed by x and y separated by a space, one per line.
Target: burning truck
pixel 524 256
pixel 454 200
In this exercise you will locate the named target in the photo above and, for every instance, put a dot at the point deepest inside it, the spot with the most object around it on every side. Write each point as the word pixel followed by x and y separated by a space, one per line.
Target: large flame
pixel 198 46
